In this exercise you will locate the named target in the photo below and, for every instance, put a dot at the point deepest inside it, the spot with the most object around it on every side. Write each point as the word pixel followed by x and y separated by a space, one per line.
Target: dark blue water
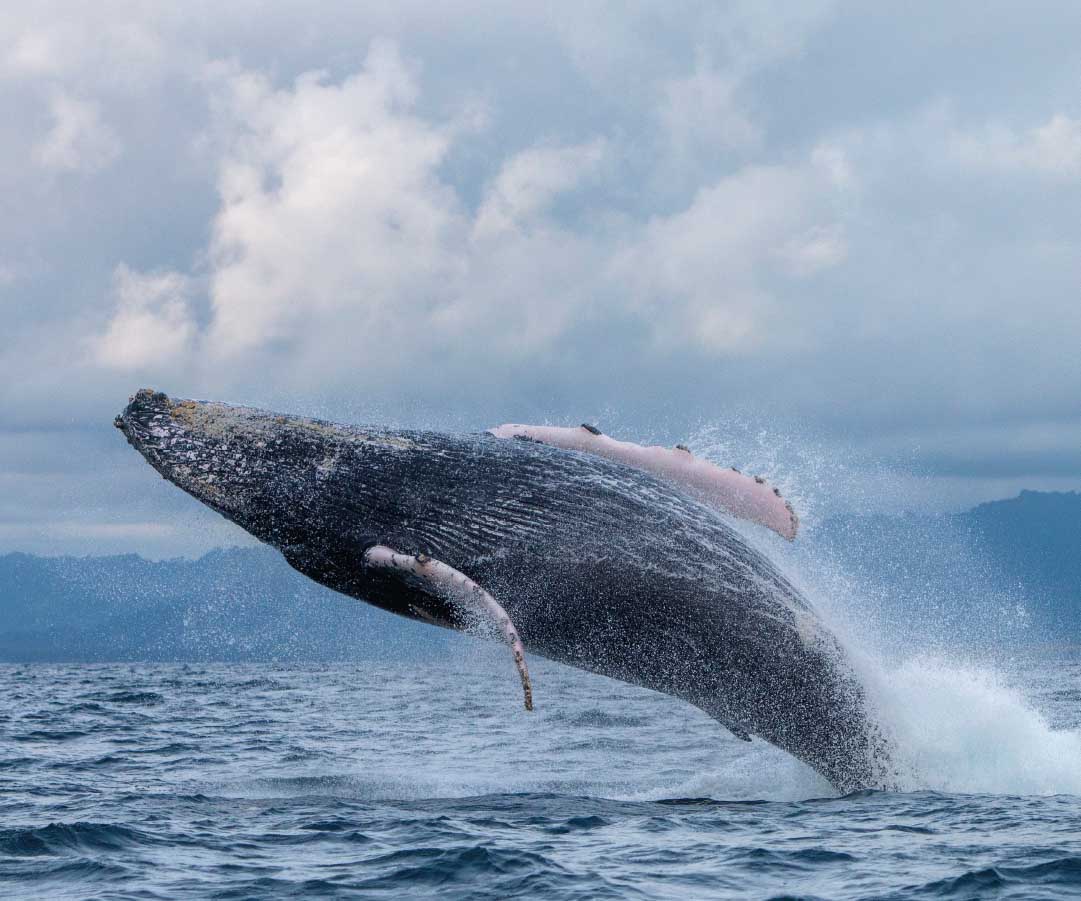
pixel 429 781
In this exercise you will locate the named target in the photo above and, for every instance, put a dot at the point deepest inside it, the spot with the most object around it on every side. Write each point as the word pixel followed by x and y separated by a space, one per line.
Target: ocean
pixel 427 779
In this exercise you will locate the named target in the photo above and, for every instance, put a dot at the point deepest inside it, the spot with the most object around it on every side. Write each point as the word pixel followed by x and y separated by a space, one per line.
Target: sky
pixel 836 241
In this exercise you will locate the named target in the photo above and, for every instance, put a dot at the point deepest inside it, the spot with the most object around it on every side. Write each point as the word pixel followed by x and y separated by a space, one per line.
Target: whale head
pixel 281 478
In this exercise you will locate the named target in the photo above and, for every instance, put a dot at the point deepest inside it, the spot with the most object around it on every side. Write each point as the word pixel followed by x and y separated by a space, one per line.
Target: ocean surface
pixel 427 779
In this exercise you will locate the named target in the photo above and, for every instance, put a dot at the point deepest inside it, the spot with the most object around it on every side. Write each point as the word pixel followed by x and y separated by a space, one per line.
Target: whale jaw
pixel 192 444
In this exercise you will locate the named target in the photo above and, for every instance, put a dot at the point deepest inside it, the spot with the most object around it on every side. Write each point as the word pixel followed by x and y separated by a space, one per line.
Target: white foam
pixel 961 729
pixel 957 726
pixel 761 773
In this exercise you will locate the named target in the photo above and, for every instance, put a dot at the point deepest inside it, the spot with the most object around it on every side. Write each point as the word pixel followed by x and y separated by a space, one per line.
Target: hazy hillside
pixel 1010 568
pixel 1036 537
pixel 239 604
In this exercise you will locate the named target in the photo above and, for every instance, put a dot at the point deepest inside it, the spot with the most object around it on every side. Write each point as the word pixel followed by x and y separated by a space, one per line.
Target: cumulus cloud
pixel 152 323
pixel 1053 148
pixel 340 244
pixel 78 140
pixel 32 53
pixel 701 115
pixel 707 273
pixel 112 44
pixel 818 247
pixel 531 180
pixel 331 210
pixel 698 209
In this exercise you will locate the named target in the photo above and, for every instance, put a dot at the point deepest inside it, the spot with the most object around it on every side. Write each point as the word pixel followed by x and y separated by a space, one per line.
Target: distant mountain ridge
pixel 1021 554
pixel 233 604
pixel 1037 537
pixel 1021 557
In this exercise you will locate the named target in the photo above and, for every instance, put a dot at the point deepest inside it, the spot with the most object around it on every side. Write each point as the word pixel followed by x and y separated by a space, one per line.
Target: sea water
pixel 425 778
pixel 428 780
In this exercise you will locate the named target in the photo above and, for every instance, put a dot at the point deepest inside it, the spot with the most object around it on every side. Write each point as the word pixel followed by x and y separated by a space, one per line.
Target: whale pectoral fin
pixel 725 489
pixel 457 587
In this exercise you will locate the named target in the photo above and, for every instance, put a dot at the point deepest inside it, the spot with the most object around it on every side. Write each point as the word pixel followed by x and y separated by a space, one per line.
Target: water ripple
pixel 210 782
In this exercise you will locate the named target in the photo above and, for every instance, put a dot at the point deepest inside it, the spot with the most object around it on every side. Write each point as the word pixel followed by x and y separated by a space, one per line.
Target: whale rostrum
pixel 596 553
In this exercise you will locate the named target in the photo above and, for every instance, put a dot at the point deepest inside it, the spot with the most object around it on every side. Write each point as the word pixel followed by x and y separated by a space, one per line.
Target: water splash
pixel 925 613
pixel 966 729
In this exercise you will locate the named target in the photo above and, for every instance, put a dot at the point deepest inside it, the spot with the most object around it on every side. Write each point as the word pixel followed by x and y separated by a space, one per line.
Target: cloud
pixel 709 273
pixel 381 211
pixel 818 247
pixel 340 249
pixel 1053 148
pixel 152 324
pixel 531 180
pixel 78 139
pixel 112 45
pixel 331 210
pixel 340 244
pixel 32 53
pixel 701 114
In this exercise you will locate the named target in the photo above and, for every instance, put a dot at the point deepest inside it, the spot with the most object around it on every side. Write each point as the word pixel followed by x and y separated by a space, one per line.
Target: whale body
pixel 575 557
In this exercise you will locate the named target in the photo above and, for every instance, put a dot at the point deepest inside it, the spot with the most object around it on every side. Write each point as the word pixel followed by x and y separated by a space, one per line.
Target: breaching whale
pixel 602 555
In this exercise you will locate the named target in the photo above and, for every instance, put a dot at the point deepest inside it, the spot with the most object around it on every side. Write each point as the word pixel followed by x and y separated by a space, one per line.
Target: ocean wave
pixel 334 790
pixel 67 838
pixel 140 698
pixel 1063 874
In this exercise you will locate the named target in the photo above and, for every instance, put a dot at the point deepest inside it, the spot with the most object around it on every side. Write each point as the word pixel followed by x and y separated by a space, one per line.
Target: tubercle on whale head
pixel 161 429
pixel 142 422
pixel 141 397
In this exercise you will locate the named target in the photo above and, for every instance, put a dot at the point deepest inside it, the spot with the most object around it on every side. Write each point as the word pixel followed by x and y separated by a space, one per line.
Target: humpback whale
pixel 564 543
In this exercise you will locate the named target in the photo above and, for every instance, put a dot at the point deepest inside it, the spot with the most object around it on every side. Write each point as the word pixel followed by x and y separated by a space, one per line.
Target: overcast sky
pixel 840 242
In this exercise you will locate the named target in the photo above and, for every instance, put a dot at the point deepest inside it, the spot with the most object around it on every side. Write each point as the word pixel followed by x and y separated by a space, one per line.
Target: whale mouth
pixel 160 429
pixel 148 425
pixel 236 460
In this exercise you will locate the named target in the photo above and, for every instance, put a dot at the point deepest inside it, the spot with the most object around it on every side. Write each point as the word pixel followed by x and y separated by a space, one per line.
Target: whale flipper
pixel 457 587
pixel 726 489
